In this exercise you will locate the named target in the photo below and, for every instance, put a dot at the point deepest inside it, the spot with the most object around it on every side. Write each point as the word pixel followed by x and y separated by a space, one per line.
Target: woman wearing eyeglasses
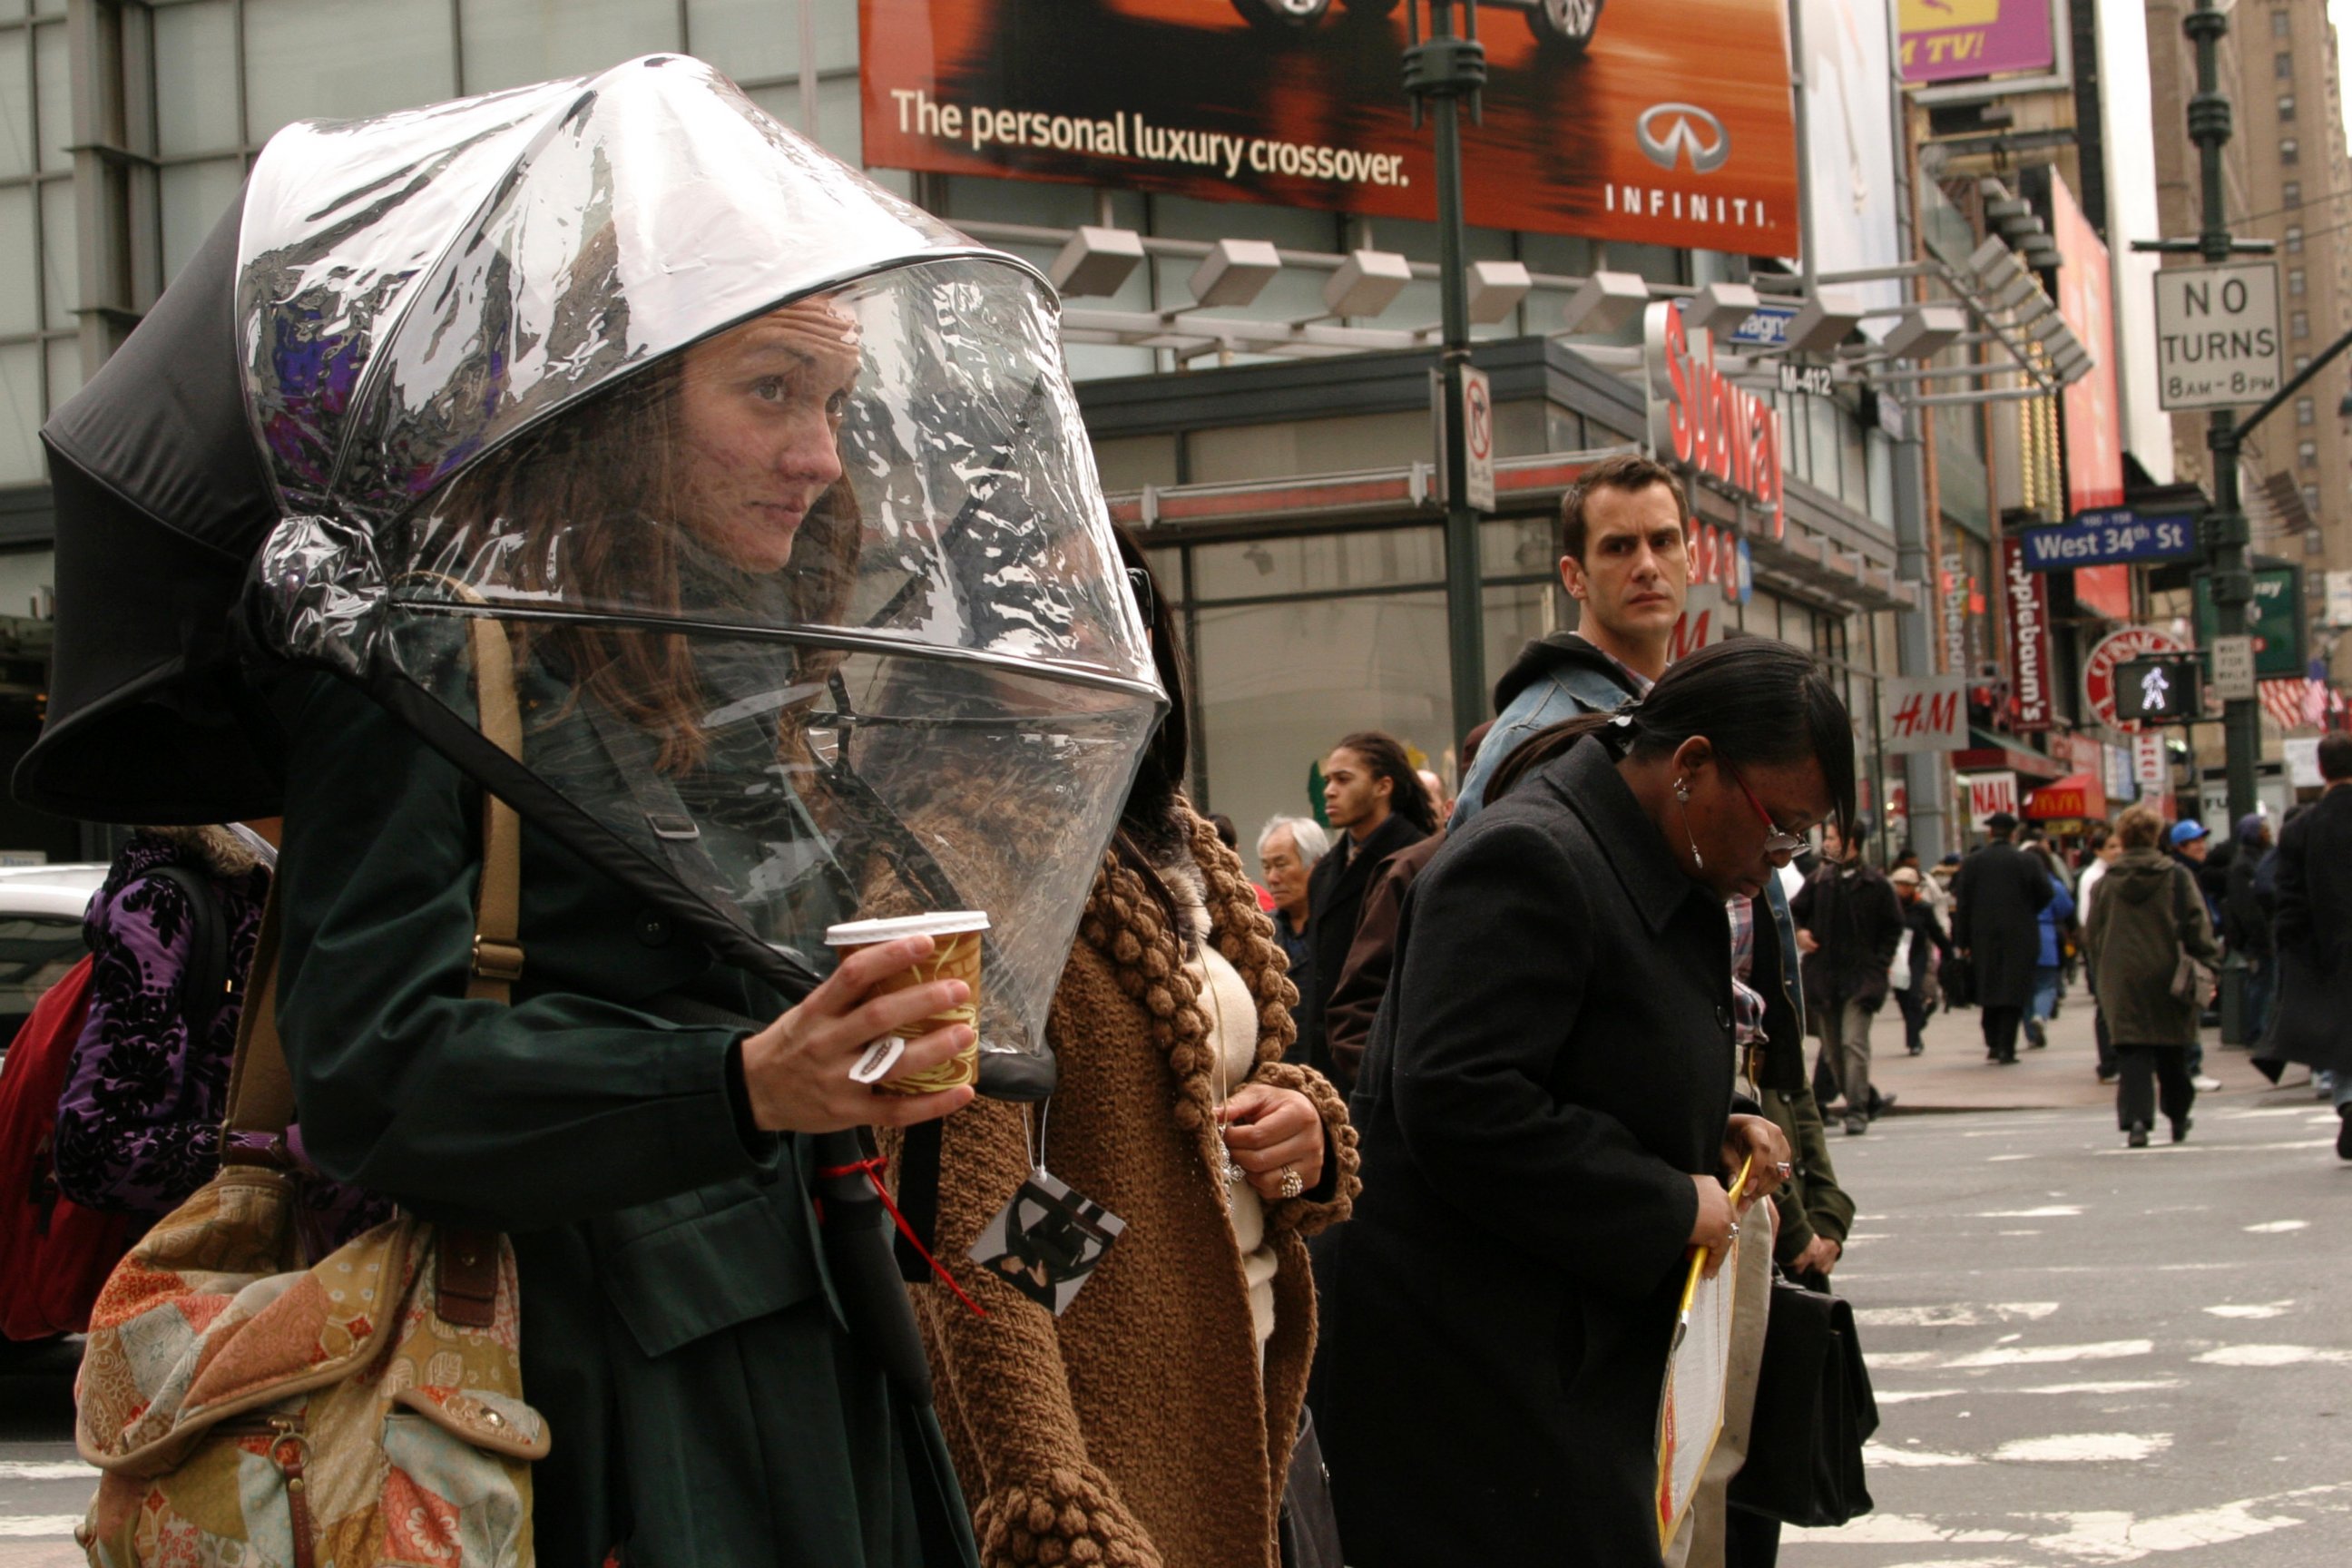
pixel 1549 1125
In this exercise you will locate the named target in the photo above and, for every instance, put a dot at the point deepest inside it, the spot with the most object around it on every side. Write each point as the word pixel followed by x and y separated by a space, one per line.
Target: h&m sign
pixel 1700 422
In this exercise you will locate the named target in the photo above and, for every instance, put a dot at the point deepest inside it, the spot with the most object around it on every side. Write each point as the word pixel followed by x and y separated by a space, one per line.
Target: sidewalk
pixel 1953 1075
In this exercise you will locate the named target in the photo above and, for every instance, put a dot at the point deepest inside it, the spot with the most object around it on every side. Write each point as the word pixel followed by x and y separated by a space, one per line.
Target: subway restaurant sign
pixel 1701 423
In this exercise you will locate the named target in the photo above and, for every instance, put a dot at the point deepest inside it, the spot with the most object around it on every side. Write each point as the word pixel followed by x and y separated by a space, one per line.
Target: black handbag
pixel 1957 975
pixel 1309 1527
pixel 1814 1412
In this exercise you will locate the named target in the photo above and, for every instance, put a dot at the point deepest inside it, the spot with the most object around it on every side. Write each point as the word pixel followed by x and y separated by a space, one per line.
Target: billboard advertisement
pixel 1951 40
pixel 2091 409
pixel 2032 662
pixel 1671 126
pixel 1852 142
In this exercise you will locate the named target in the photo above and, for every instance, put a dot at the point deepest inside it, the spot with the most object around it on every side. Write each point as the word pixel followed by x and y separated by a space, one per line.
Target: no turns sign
pixel 2217 335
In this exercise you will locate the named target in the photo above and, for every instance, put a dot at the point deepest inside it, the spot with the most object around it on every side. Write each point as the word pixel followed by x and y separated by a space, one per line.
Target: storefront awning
pixel 2077 795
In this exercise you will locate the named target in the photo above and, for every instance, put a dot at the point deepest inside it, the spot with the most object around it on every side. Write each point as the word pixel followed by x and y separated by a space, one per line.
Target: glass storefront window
pixel 193 197
pixel 15 108
pixel 509 43
pixel 20 309
pixel 750 39
pixel 1356 561
pixel 1279 683
pixel 335 59
pixel 196 93
pixel 20 414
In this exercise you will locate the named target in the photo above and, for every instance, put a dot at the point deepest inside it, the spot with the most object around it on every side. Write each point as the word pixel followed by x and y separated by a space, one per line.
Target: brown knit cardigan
pixel 1135 1431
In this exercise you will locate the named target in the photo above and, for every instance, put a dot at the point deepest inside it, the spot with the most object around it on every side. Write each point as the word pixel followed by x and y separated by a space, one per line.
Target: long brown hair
pixel 589 507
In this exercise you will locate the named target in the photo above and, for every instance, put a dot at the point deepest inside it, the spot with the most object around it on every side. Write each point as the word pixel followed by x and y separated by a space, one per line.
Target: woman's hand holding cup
pixel 797 1069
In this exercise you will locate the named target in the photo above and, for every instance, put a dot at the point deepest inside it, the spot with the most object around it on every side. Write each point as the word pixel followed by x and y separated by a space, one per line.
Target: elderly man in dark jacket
pixel 2313 929
pixel 1849 924
pixel 1997 927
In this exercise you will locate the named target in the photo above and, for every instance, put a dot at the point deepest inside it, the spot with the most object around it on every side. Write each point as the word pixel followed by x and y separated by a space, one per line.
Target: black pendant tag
pixel 1047 1242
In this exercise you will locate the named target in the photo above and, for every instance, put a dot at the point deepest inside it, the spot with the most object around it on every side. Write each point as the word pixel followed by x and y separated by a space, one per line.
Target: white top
pixel 1233 1024
pixel 2091 875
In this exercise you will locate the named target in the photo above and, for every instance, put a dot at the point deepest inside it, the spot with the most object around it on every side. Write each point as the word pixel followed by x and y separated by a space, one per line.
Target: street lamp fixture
pixel 1366 283
pixel 1235 272
pixel 1604 303
pixel 1824 321
pixel 1496 290
pixel 1720 307
pixel 1926 331
pixel 1096 261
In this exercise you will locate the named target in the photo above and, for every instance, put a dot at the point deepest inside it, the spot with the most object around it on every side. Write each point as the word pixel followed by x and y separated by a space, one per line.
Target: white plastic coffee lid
pixel 940 922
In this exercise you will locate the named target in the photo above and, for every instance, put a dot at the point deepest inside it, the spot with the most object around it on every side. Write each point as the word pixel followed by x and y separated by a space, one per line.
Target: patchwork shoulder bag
pixel 2192 982
pixel 362 1413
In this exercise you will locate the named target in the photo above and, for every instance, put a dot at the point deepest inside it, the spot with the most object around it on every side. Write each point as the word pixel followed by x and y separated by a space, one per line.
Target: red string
pixel 872 1169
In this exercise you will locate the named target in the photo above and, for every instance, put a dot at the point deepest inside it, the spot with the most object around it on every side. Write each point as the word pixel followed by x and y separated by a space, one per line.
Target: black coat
pixel 1996 921
pixel 1853 913
pixel 1929 945
pixel 1335 900
pixel 1552 1066
pixel 2313 1021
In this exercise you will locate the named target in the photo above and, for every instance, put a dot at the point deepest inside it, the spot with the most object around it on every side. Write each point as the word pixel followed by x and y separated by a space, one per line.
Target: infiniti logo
pixel 1669 133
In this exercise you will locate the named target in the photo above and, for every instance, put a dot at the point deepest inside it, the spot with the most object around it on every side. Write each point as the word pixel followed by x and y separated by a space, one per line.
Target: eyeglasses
pixel 1780 844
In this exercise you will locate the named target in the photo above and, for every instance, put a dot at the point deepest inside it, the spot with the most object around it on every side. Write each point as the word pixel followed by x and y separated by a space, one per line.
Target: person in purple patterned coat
pixel 139 1122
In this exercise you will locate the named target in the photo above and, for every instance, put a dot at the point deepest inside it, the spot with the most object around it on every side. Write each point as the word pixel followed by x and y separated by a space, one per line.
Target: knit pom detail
pixel 1064 1516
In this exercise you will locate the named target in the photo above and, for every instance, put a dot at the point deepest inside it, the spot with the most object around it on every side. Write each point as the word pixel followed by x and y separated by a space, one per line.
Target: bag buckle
pixel 494 959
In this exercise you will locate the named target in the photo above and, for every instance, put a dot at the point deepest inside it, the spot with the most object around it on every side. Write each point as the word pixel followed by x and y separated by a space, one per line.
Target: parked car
pixel 41 910
pixel 1567 25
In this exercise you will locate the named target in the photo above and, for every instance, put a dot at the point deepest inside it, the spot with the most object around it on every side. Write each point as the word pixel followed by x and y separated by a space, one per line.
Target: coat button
pixel 652 930
pixel 1723 1018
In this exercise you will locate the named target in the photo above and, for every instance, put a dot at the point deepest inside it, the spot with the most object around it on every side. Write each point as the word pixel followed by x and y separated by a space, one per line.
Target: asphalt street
pixel 2082 1354
pixel 2089 1354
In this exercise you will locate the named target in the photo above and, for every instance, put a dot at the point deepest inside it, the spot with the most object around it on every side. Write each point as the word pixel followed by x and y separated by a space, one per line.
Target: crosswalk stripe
pixel 39 1524
pixel 46 1470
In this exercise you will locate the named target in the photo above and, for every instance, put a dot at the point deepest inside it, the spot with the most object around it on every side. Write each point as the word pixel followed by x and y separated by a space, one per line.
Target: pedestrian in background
pixel 1376 805
pixel 2148 915
pixel 2246 923
pixel 2191 847
pixel 1547 1118
pixel 1925 945
pixel 2055 920
pixel 139 1123
pixel 2314 932
pixel 1848 925
pixel 1998 893
pixel 1625 559
pixel 1287 849
pixel 2100 847
pixel 1230 837
pixel 1364 979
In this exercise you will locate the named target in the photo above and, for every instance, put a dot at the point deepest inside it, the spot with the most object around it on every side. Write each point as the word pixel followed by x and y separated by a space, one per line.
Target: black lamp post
pixel 1441 70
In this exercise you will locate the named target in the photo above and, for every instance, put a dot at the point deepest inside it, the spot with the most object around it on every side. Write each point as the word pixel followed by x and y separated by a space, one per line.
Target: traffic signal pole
pixel 2223 535
pixel 1440 71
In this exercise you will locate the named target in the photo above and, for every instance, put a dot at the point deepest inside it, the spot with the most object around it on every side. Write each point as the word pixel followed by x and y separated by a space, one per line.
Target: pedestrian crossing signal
pixel 2160 688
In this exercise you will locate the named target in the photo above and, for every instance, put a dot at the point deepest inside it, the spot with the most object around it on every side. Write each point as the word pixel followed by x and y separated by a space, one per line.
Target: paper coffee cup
pixel 956 956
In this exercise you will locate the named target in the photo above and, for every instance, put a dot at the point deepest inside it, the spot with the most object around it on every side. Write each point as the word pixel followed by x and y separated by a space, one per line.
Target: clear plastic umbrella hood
pixel 776 485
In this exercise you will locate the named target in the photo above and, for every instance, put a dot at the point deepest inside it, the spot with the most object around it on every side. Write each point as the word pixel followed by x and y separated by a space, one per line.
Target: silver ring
pixel 1293 1183
pixel 1735 1230
pixel 1785 1171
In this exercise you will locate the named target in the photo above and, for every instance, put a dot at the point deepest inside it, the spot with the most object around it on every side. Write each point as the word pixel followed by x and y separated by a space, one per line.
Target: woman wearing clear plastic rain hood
pixel 815 614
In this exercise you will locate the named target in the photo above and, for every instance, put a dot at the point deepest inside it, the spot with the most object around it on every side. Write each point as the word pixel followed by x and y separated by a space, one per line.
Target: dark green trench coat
pixel 708 1406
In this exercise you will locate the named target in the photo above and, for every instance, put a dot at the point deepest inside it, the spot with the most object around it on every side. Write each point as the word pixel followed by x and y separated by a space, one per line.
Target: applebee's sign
pixel 1700 422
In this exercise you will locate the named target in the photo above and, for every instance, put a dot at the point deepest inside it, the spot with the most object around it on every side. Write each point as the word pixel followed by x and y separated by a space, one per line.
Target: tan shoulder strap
pixel 261 1090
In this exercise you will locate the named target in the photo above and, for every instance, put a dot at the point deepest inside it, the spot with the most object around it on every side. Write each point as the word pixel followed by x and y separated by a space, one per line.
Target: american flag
pixel 2296 702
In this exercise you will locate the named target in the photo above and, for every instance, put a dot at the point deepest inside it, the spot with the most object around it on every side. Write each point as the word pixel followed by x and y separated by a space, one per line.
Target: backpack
pixel 55 1254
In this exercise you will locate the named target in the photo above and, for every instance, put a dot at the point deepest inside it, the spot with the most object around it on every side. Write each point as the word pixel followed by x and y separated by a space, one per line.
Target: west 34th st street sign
pixel 2218 343
pixel 2105 537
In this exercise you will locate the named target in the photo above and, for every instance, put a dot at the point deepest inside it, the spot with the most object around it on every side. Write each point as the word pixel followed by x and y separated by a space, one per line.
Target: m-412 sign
pixel 2217 335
